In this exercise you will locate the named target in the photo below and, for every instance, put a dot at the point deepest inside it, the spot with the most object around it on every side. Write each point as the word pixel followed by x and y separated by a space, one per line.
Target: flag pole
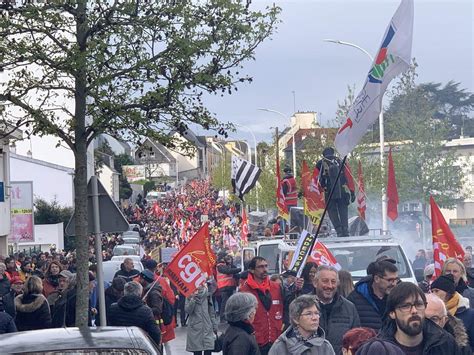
pixel 331 192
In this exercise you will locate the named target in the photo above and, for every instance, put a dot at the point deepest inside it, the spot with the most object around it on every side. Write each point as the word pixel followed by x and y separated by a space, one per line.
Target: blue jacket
pixel 466 314
pixel 370 315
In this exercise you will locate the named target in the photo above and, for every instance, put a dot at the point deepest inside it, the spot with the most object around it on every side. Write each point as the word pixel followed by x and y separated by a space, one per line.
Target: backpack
pixel 167 312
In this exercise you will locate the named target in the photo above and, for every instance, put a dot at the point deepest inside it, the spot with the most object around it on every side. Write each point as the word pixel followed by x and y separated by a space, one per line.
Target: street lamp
pixel 293 134
pixel 381 130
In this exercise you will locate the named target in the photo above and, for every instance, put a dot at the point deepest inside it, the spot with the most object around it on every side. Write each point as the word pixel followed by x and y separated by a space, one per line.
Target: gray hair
pixel 239 306
pixel 132 288
pixel 299 305
pixel 326 268
pixel 3 266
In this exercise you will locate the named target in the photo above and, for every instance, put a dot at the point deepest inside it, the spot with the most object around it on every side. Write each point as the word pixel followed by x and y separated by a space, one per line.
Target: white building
pixel 5 200
pixel 50 181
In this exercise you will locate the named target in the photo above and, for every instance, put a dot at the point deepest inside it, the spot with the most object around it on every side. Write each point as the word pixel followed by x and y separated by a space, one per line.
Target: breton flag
pixel 392 59
pixel 244 176
pixel 445 245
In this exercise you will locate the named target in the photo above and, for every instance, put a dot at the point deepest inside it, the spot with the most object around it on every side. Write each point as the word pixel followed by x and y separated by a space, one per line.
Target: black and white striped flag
pixel 244 176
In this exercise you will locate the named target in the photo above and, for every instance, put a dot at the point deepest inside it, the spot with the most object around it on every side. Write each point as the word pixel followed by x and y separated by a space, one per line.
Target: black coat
pixel 131 311
pixel 111 297
pixel 4 285
pixel 239 339
pixel 362 299
pixel 127 275
pixel 7 324
pixel 9 303
pixel 32 312
pixel 63 312
pixel 436 341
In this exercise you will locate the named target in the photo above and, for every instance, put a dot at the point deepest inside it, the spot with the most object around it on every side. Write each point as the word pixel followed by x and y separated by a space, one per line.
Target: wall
pixel 109 178
pixel 45 235
pixel 50 181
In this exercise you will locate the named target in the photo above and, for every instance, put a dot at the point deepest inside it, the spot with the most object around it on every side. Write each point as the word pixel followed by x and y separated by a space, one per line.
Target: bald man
pixel 436 312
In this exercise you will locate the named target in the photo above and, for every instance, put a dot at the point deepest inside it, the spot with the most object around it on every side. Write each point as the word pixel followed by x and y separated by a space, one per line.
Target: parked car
pixel 130 234
pixel 112 266
pixel 133 226
pixel 100 340
pixel 131 240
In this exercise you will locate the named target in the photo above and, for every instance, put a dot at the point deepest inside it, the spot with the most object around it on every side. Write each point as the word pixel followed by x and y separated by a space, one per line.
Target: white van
pixel 153 196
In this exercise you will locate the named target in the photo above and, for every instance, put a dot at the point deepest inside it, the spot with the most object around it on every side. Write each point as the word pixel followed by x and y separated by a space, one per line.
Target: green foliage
pixel 51 212
pixel 148 186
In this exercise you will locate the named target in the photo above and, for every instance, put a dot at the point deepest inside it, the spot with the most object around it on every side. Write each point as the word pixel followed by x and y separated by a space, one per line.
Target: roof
pixel 189 135
pixel 160 148
pixel 42 162
pixel 61 339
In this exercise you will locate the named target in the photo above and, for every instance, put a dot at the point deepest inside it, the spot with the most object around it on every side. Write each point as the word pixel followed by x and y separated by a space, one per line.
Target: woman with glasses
pixel 304 336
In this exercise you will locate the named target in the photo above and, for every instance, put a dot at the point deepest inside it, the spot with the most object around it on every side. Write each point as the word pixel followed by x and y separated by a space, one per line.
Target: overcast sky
pixel 297 59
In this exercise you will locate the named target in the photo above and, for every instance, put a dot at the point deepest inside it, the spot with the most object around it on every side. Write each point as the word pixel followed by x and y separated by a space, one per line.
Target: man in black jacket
pixel 127 270
pixel 130 310
pixel 407 326
pixel 370 293
pixel 226 280
pixel 338 315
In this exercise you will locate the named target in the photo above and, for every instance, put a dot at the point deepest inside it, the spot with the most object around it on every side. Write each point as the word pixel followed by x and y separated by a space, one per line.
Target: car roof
pixel 121 258
pixel 61 339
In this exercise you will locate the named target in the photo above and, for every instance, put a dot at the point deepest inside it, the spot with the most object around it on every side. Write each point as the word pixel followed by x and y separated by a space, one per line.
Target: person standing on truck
pixel 273 302
pixel 343 194
pixel 226 281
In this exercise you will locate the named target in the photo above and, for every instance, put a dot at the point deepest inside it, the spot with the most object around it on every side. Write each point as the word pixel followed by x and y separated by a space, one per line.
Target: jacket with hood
pixel 363 299
pixel 436 341
pixel 342 317
pixel 289 344
pixel 127 275
pixel 455 327
pixel 32 312
pixel 466 315
pixel 239 338
pixel 202 323
pixel 131 311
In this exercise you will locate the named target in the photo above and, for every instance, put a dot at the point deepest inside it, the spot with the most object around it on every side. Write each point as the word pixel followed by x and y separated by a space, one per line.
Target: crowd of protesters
pixel 322 312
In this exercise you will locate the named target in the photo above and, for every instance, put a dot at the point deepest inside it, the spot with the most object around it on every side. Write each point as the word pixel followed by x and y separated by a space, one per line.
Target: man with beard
pixel 370 293
pixel 405 324
pixel 272 302
pixel 337 315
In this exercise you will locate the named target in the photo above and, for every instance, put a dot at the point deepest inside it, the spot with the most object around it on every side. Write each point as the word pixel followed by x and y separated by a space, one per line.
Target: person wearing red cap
pixel 8 300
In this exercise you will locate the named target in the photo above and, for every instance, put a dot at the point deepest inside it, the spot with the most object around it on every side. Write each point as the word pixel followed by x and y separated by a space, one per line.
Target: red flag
pixel 392 193
pixel 445 245
pixel 361 198
pixel 157 211
pixel 313 198
pixel 280 196
pixel 322 256
pixel 193 264
pixel 245 229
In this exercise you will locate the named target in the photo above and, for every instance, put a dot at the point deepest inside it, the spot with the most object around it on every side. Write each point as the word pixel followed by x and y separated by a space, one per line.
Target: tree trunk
pixel 80 181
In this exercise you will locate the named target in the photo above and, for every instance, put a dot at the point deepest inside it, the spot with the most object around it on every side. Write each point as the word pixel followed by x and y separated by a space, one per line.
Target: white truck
pixel 354 254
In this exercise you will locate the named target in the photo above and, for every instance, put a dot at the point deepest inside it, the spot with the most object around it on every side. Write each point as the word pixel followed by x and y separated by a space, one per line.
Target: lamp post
pixel 250 155
pixel 293 134
pixel 381 130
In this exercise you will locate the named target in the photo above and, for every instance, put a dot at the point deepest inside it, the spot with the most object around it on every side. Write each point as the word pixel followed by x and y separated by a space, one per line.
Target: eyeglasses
pixel 310 314
pixel 408 306
pixel 391 280
pixel 436 319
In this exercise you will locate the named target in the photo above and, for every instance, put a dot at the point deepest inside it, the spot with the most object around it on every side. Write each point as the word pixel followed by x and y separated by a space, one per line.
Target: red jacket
pixel 268 325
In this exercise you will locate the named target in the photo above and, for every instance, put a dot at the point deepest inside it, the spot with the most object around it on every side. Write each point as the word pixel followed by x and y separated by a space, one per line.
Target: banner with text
pixel 22 218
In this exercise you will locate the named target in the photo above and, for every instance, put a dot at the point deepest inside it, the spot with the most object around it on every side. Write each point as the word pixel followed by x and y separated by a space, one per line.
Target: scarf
pixel 453 303
pixel 263 290
pixel 264 286
pixel 300 337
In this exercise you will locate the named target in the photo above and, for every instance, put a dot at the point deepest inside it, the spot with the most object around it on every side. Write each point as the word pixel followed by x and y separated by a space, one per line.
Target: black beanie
pixel 444 283
pixel 378 347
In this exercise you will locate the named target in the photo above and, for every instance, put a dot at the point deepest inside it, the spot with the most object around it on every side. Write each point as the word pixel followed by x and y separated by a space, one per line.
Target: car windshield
pixel 355 259
pixel 125 251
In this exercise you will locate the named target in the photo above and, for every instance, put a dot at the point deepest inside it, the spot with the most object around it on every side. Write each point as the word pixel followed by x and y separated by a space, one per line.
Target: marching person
pixel 407 326
pixel 127 270
pixel 436 311
pixel 51 278
pixel 32 308
pixel 457 306
pixel 304 336
pixel 343 193
pixel 239 338
pixel 370 293
pixel 290 189
pixel 456 268
pixel 337 314
pixel 202 323
pixel 226 281
pixel 271 303
pixel 8 299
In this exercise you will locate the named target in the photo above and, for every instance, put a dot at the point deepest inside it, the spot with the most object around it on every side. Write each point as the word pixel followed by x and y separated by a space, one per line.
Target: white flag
pixel 392 59
pixel 244 176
